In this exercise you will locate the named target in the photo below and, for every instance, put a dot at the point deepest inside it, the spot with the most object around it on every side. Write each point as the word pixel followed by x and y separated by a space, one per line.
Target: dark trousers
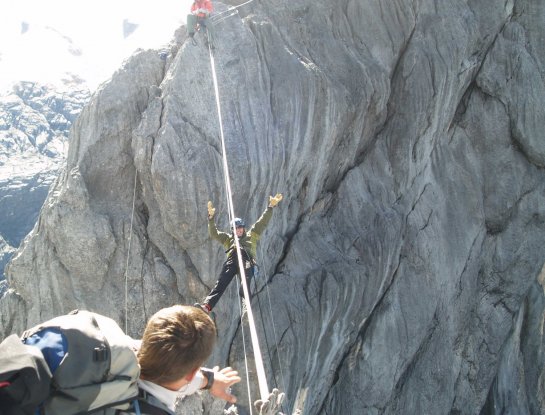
pixel 194 23
pixel 228 271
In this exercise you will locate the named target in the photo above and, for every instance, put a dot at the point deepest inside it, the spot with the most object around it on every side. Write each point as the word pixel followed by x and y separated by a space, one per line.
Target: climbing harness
pixel 208 38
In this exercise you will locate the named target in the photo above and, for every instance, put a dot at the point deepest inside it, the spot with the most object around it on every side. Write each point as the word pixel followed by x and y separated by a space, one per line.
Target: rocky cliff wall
pixel 35 122
pixel 402 265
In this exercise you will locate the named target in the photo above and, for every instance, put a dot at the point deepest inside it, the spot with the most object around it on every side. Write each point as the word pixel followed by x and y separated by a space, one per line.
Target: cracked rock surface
pixel 35 121
pixel 403 265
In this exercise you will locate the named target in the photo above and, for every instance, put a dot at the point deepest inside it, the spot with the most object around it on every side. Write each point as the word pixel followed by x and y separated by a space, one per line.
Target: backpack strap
pixel 136 405
pixel 148 409
pixel 141 406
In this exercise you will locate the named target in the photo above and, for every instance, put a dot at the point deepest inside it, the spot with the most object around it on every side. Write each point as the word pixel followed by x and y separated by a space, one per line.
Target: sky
pixel 41 40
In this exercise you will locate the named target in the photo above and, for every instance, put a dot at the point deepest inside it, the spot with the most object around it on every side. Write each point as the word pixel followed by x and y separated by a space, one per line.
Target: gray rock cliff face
pixel 35 121
pixel 402 265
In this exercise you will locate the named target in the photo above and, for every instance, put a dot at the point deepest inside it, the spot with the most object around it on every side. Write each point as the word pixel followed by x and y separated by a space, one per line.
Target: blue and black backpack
pixel 74 364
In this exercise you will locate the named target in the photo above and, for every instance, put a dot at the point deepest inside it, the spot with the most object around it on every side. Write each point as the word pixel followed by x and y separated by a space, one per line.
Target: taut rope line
pixel 232 9
pixel 260 369
pixel 129 254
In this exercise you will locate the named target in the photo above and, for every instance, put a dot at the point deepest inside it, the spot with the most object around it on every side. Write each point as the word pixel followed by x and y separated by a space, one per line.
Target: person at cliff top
pixel 200 12
pixel 248 245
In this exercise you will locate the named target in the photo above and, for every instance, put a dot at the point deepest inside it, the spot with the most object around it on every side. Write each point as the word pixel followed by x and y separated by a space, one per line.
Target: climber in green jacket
pixel 248 245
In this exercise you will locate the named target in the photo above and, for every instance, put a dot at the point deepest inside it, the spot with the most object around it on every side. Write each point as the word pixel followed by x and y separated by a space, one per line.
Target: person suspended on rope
pixel 248 244
pixel 200 13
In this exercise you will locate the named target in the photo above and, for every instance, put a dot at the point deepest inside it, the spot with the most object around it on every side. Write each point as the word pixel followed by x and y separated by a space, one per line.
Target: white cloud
pixel 57 29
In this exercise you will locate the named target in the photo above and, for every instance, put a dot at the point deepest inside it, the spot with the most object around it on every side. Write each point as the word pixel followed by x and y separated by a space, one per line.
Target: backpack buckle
pixel 100 354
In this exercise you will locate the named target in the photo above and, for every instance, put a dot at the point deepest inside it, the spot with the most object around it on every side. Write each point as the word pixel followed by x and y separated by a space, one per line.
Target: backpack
pixel 24 377
pixel 91 365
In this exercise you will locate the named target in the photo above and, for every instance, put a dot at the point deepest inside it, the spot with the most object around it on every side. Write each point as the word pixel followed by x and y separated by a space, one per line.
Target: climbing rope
pixel 217 21
pixel 245 353
pixel 262 379
pixel 244 348
pixel 275 337
pixel 263 325
pixel 128 255
pixel 231 10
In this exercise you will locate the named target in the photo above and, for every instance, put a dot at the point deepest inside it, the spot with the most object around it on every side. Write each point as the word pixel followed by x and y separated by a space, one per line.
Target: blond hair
pixel 176 341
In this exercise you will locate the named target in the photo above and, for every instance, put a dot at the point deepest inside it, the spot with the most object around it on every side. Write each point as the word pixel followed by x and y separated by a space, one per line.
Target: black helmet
pixel 239 223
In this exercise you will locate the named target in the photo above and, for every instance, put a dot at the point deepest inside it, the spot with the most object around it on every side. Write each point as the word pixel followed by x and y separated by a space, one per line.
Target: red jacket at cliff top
pixel 201 8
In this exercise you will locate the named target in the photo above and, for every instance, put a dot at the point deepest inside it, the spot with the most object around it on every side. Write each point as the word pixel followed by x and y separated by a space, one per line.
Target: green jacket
pixel 248 241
